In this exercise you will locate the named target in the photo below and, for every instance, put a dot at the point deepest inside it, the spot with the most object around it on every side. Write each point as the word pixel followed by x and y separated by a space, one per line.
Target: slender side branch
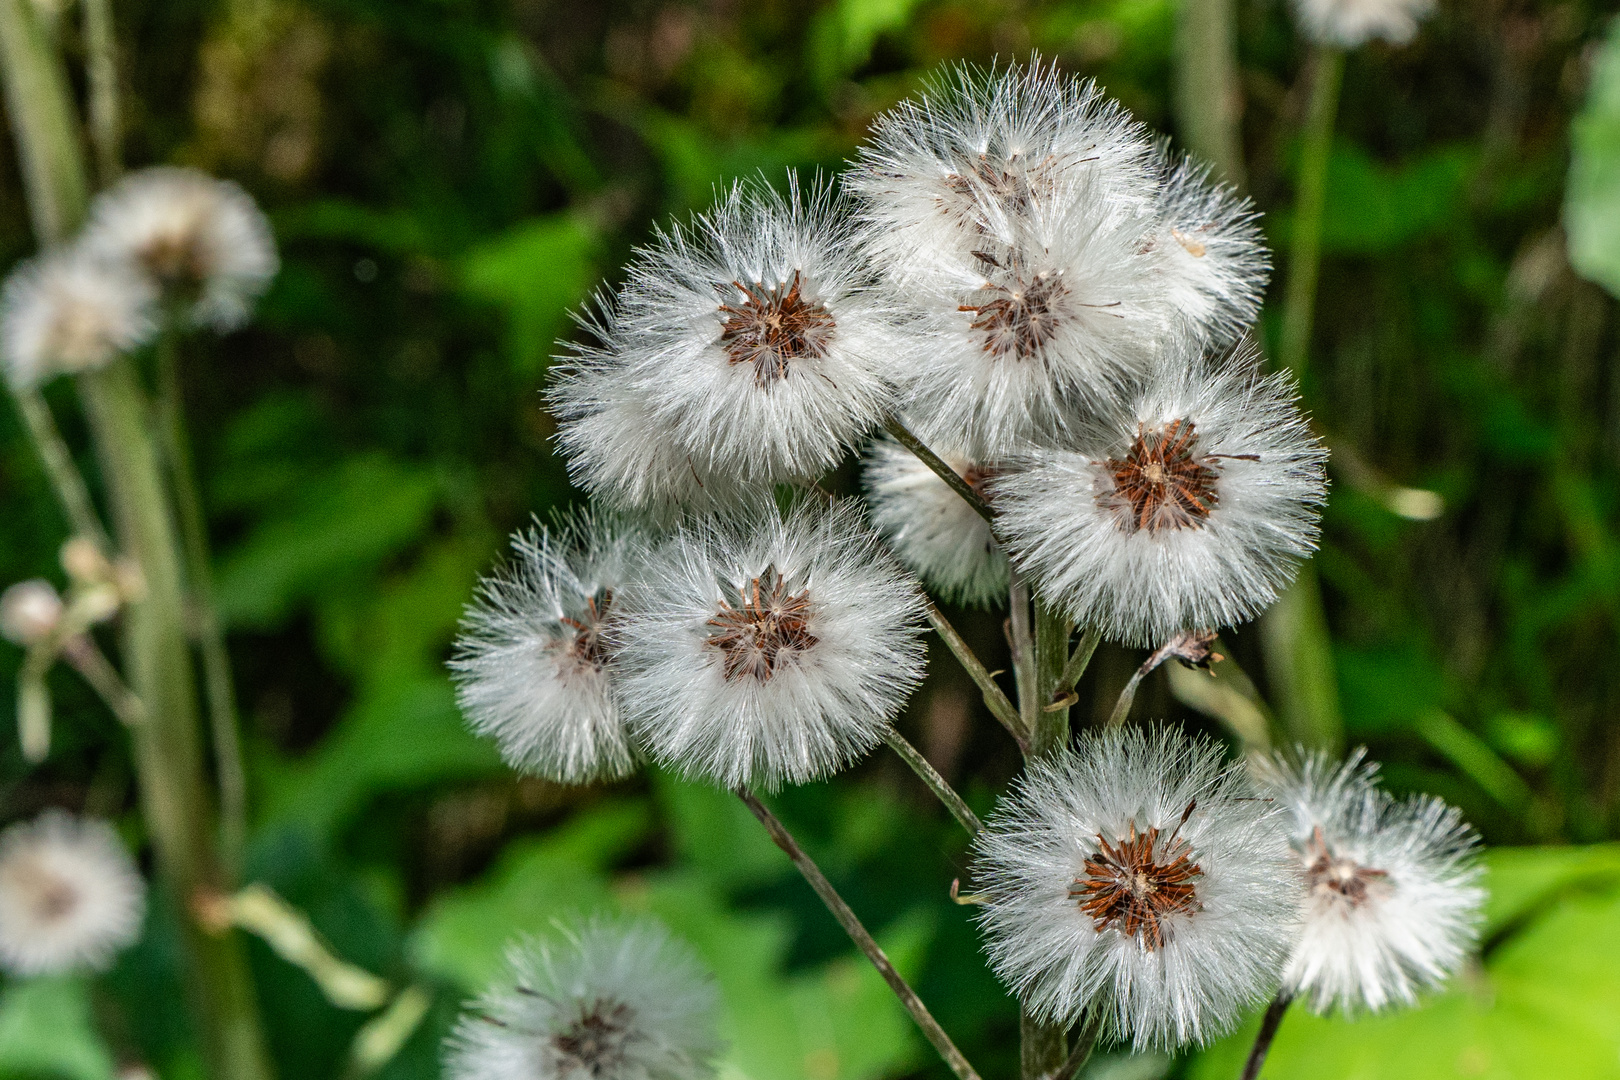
pixel 994 699
pixel 1021 639
pixel 102 69
pixel 1268 1032
pixel 1079 660
pixel 92 664
pixel 217 682
pixel 936 783
pixel 1085 1041
pixel 63 474
pixel 1299 296
pixel 905 438
pixel 858 933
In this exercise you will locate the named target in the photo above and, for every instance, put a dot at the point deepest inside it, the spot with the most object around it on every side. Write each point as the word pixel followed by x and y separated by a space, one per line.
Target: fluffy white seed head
pixel 932 529
pixel 203 241
pixel 606 1000
pixel 1213 257
pixel 29 612
pixel 981 148
pixel 1189 509
pixel 70 896
pixel 1349 23
pixel 749 338
pixel 761 648
pixel 1137 875
pixel 533 664
pixel 1392 896
pixel 67 312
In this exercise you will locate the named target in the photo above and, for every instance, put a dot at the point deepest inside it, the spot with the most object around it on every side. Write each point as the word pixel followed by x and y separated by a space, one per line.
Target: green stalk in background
pixel 175 800
pixel 1208 90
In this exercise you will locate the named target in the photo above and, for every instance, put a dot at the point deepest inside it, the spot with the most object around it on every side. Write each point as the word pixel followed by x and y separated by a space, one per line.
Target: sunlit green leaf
pixel 1592 201
pixel 537 271
pixel 46 1029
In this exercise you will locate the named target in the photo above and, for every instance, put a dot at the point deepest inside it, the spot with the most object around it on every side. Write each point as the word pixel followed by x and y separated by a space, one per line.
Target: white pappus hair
pixel 533 663
pixel 67 312
pixel 762 648
pixel 1349 23
pixel 605 1000
pixel 1189 509
pixel 1068 925
pixel 752 337
pixel 1392 895
pixel 203 240
pixel 70 896
pixel 1213 257
pixel 930 528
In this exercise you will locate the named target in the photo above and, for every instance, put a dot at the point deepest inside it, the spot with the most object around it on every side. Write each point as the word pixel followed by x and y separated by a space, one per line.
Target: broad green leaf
pixel 537 271
pixel 46 1029
pixel 464 935
pixel 1370 208
pixel 400 735
pixel 1592 199
pixel 351 518
pixel 714 833
pixel 843 34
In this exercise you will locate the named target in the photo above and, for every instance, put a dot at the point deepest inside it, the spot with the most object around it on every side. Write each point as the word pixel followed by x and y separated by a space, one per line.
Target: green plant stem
pixel 175 800
pixel 936 783
pixel 904 437
pixel 1021 640
pixel 1305 244
pixel 994 699
pixel 858 933
pixel 217 682
pixel 63 474
pixel 1085 1041
pixel 101 66
pixel 1268 1031
pixel 1208 91
pixel 1052 630
pixel 1079 660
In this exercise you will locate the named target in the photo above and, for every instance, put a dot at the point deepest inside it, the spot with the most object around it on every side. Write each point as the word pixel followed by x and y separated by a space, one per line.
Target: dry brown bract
pixel 1330 876
pixel 1017 321
pixel 1133 886
pixel 595 1044
pixel 773 326
pixel 590 645
pixel 1162 482
pixel 770 624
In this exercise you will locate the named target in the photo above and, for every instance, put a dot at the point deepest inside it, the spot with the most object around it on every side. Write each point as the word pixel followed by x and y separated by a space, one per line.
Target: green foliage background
pixel 448 178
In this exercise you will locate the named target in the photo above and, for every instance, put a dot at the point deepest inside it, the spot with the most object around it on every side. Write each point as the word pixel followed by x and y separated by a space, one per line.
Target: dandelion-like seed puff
pixel 1213 258
pixel 533 660
pixel 1191 508
pixel 204 242
pixel 1137 876
pixel 766 649
pixel 68 312
pixel 1349 23
pixel 70 896
pixel 1391 887
pixel 604 1000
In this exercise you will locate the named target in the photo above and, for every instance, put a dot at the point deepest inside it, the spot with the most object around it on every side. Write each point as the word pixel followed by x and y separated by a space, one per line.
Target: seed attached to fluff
pixel 769 621
pixel 773 326
pixel 1135 884
pixel 1163 481
pixel 1019 319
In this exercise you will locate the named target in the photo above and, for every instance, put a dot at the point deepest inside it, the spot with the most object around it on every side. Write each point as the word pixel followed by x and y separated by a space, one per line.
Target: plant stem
pixel 1208 92
pixel 101 66
pixel 936 783
pixel 994 699
pixel 86 657
pixel 1052 631
pixel 858 933
pixel 1268 1031
pixel 1299 297
pixel 1021 639
pixel 217 682
pixel 1085 1041
pixel 902 434
pixel 63 474
pixel 42 120
pixel 1079 660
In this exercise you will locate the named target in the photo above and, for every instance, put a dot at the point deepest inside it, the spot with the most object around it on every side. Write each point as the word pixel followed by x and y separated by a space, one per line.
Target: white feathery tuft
pixel 1392 895
pixel 1189 968
pixel 1346 24
pixel 930 528
pixel 1214 258
pixel 608 1000
pixel 204 241
pixel 70 896
pixel 30 611
pixel 762 649
pixel 533 664
pixel 1211 524
pixel 67 312
pixel 749 339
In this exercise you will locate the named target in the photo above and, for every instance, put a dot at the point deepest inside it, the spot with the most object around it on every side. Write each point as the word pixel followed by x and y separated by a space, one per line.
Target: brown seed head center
pixel 49 896
pixel 590 641
pixel 770 327
pixel 596 1043
pixel 1134 885
pixel 1018 320
pixel 175 258
pixel 768 626
pixel 1162 482
pixel 1338 878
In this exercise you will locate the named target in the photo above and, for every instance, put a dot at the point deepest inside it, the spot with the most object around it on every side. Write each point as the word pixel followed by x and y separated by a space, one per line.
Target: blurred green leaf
pixel 396 232
pixel 843 33
pixel 46 1030
pixel 537 271
pixel 1592 199
pixel 1371 208
pixel 362 511
pixel 715 834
